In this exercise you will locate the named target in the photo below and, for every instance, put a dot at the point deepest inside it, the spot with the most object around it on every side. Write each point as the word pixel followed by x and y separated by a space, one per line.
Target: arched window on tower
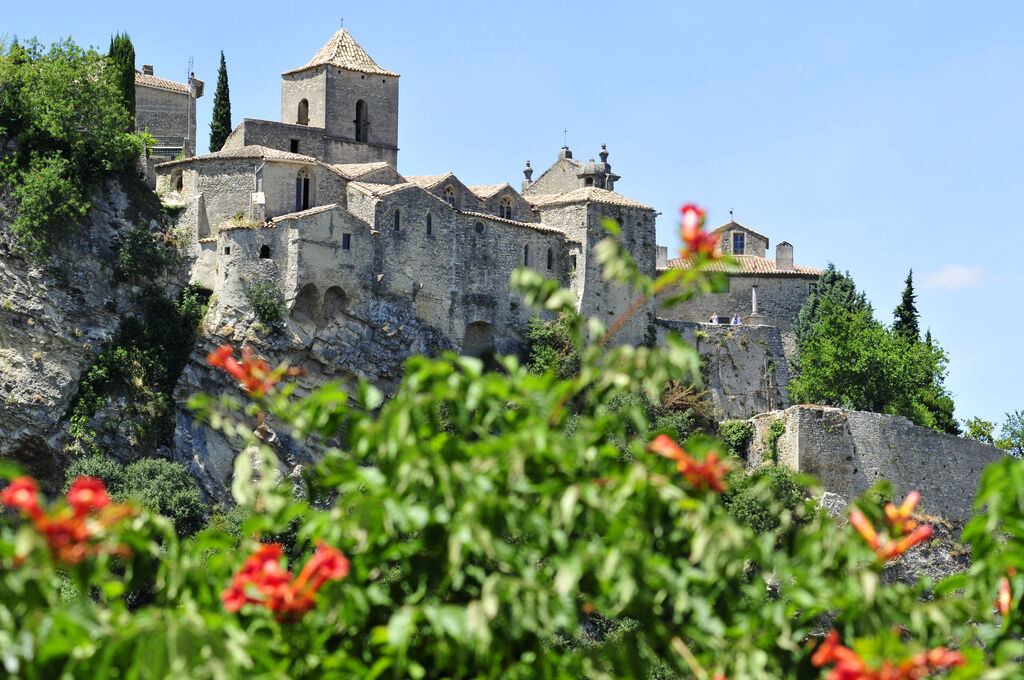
pixel 505 209
pixel 302 190
pixel 449 195
pixel 398 219
pixel 362 124
pixel 526 255
pixel 303 117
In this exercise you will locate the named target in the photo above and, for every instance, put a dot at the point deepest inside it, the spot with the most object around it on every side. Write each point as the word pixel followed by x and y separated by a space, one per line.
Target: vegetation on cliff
pixel 67 130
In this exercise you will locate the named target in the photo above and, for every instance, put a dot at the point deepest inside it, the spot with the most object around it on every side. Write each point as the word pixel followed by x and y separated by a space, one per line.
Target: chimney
pixel 784 256
pixel 564 153
pixel 662 261
pixel 147 69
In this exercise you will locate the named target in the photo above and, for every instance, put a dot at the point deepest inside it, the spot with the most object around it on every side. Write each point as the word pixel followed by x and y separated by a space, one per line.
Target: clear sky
pixel 876 135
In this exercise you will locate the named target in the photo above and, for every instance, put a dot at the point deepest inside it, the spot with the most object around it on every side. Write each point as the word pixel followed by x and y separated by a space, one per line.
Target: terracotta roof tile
pixel 749 264
pixel 377 189
pixel 356 170
pixel 592 194
pixel 303 213
pixel 539 226
pixel 485 191
pixel 428 181
pixel 342 51
pixel 161 83
pixel 251 151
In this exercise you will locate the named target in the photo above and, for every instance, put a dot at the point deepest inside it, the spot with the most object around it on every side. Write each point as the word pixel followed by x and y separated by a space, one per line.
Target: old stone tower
pixel 341 107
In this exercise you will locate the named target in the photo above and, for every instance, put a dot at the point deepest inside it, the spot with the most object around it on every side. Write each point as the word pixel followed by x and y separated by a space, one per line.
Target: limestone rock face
pixel 54 318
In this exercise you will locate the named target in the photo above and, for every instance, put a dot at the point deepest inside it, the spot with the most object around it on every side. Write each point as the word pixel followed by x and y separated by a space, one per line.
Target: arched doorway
pixel 478 341
pixel 306 307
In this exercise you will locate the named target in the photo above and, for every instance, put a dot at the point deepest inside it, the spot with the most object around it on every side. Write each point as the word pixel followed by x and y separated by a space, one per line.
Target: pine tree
pixel 121 65
pixel 220 126
pixel 906 312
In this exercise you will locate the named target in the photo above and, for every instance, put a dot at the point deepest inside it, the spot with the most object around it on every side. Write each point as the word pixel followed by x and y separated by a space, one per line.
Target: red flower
pixel 254 374
pixel 904 533
pixel 709 473
pixel 1004 599
pixel 22 493
pixel 87 494
pixel 849 665
pixel 263 575
pixel 695 239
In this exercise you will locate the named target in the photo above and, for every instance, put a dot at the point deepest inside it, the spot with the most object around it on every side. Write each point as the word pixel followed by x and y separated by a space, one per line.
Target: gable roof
pixel 591 194
pixel 429 181
pixel 734 225
pixel 159 83
pixel 749 264
pixel 485 191
pixel 342 51
pixel 356 170
pixel 250 151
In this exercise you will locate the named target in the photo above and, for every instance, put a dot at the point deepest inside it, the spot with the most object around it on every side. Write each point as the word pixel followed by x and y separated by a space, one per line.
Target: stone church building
pixel 315 203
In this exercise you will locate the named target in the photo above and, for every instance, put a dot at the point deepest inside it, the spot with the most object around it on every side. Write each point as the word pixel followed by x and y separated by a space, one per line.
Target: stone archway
pixel 334 306
pixel 306 307
pixel 478 340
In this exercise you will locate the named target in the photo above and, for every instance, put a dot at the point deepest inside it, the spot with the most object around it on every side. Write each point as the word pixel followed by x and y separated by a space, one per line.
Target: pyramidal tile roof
pixel 342 51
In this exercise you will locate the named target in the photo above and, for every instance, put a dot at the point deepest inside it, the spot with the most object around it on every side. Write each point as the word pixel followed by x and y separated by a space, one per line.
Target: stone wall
pixel 345 88
pixel 169 117
pixel 310 85
pixel 848 451
pixel 277 136
pixel 779 299
pixel 744 367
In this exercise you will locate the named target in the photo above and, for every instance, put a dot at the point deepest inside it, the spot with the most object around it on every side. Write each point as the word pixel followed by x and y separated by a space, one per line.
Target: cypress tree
pixel 220 126
pixel 906 312
pixel 121 65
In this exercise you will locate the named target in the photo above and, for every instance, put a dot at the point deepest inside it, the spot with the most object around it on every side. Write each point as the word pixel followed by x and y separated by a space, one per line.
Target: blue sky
pixel 880 136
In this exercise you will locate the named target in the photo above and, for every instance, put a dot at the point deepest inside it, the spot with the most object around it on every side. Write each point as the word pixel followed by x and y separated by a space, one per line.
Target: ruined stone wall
pixel 848 451
pixel 310 85
pixel 744 367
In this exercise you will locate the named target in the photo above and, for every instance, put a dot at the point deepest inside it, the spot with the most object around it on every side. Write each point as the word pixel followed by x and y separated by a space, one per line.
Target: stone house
pixel 167 109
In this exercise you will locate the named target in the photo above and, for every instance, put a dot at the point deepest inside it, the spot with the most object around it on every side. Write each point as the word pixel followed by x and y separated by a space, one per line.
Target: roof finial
pixel 565 137
pixel 528 171
pixel 604 154
pixel 343 22
pixel 731 218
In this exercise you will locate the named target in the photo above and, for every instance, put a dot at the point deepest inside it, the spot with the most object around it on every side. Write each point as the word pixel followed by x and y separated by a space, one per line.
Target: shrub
pixel 736 434
pixel 143 255
pixel 771 438
pixel 265 298
pixel 759 499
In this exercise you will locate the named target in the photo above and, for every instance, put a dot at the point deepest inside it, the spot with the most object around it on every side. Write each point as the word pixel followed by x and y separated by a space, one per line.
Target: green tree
pixel 220 126
pixel 1013 434
pixel 906 312
pixel 835 287
pixel 980 430
pixel 550 346
pixel 121 71
pixel 70 132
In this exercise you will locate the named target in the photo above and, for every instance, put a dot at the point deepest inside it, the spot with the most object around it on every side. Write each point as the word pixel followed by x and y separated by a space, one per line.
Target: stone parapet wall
pixel 848 451
pixel 744 367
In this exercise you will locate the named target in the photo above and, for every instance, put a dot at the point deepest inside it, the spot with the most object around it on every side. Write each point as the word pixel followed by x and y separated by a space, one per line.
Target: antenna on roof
pixel 565 137
pixel 343 22
pixel 731 218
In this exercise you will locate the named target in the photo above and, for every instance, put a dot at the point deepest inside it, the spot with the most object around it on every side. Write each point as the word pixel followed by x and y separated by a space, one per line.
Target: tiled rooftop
pixel 749 264
pixel 303 213
pixel 539 226
pixel 428 181
pixel 162 83
pixel 377 189
pixel 344 52
pixel 485 191
pixel 251 151
pixel 356 170
pixel 592 194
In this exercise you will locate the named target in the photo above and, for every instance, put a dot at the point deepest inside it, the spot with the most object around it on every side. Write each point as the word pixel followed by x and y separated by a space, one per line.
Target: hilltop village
pixel 316 203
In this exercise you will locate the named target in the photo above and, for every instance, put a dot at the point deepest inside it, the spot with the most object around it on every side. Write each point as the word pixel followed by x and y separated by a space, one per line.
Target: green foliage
pixel 771 439
pixel 1013 434
pixel 220 126
pixel 980 430
pixel 121 71
pixel 905 314
pixel 158 485
pixel 836 288
pixel 736 435
pixel 551 347
pixel 761 500
pixel 265 298
pixel 70 131
pixel 138 368
pixel 143 255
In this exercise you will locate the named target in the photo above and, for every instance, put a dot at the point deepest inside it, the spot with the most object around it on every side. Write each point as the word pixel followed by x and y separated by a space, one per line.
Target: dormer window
pixel 737 243
pixel 449 195
pixel 505 209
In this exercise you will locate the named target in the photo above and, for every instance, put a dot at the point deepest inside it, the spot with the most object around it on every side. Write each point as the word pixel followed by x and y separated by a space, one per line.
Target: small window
pixel 505 209
pixel 302 190
pixel 179 181
pixel 227 250
pixel 449 195
pixel 551 258
pixel 398 219
pixel 346 241
pixel 303 118
pixel 737 243
pixel 479 227
pixel 294 147
pixel 361 122
pixel 264 252
pixel 589 182
pixel 430 224
pixel 572 263
pixel 526 255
